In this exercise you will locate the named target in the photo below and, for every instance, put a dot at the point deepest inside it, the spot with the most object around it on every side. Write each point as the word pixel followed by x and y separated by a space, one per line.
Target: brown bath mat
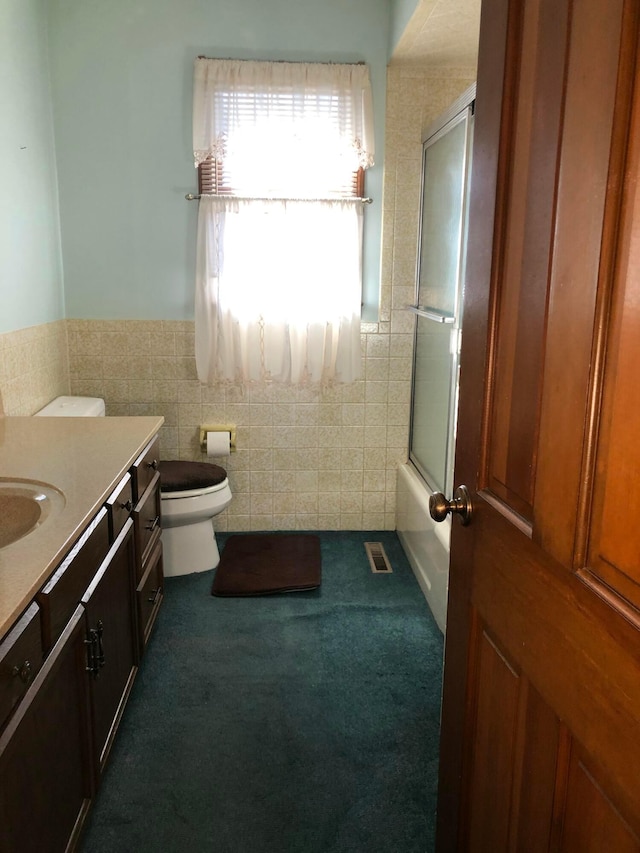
pixel 266 563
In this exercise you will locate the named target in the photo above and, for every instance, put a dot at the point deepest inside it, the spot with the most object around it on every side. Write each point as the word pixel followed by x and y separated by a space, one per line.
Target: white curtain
pixel 265 311
pixel 279 263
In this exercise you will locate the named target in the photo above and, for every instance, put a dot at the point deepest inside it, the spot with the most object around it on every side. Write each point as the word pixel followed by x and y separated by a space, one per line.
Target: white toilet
pixel 192 494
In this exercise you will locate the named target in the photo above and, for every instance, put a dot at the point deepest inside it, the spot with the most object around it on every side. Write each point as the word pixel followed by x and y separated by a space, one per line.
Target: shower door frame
pixel 461 110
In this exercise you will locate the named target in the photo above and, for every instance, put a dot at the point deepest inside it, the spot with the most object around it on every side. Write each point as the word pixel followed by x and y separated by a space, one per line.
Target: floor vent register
pixel 377 558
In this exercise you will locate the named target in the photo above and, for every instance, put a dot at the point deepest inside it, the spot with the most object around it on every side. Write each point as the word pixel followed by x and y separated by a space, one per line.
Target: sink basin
pixel 24 506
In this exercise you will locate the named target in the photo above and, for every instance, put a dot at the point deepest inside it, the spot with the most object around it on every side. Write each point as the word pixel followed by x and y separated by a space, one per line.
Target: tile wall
pixel 306 458
pixel 34 367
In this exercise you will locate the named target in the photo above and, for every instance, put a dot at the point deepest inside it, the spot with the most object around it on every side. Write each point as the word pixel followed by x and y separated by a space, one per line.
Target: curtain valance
pixel 229 94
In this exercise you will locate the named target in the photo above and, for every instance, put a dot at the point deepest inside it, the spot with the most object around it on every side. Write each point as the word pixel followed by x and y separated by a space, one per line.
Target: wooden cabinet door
pixel 45 753
pixel 540 744
pixel 112 629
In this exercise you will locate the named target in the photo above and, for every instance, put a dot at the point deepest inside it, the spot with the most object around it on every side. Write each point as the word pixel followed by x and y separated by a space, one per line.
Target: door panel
pixel 596 116
pixel 591 822
pixel 528 222
pixel 515 760
pixel 613 552
pixel 540 743
pixel 584 663
pixel 496 714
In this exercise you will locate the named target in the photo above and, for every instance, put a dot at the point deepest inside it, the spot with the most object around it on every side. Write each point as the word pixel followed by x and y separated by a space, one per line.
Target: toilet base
pixel 190 548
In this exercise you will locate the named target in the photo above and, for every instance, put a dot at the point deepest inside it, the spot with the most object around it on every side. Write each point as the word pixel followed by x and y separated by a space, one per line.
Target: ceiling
pixel 441 33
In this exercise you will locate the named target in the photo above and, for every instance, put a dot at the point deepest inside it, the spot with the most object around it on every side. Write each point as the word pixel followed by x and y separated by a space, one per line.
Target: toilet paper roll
pixel 218 443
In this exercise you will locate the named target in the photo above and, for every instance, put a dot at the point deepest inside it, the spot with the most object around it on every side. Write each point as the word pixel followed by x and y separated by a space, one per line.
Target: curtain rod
pixel 290 61
pixel 193 197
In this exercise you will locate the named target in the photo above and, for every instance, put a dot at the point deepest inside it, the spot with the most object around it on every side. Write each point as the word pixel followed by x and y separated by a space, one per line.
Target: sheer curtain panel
pixel 279 248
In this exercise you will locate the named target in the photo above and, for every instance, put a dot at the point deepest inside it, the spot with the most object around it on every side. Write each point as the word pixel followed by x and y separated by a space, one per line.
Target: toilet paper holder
pixel 230 428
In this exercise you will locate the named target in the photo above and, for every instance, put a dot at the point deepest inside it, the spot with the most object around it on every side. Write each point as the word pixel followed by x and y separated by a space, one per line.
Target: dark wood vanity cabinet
pixel 68 665
pixel 56 744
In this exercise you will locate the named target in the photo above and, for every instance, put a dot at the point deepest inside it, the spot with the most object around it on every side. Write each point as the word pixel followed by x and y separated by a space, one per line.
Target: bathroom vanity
pixel 78 598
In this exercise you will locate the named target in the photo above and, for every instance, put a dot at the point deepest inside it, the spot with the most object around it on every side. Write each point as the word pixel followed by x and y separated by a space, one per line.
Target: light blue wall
pixel 401 12
pixel 30 265
pixel 122 84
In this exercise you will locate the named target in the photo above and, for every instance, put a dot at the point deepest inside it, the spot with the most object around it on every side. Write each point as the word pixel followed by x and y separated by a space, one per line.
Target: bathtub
pixel 425 543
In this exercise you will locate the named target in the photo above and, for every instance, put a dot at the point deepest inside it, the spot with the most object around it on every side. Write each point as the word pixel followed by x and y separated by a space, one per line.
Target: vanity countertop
pixel 85 459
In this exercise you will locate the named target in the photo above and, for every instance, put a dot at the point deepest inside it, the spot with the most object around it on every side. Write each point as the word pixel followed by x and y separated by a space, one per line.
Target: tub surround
pixel 416 96
pixel 84 458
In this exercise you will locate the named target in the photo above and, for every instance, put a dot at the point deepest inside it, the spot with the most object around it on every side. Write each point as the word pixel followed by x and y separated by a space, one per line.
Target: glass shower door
pixel 438 307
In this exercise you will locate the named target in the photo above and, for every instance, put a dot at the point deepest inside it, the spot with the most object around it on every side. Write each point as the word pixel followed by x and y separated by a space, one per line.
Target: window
pixel 281 150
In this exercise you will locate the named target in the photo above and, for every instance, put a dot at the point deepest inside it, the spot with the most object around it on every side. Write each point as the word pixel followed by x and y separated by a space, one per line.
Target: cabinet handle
pixel 154 523
pixel 155 595
pixel 95 652
pixel 100 647
pixel 153 464
pixel 23 672
pixel 92 663
pixel 127 505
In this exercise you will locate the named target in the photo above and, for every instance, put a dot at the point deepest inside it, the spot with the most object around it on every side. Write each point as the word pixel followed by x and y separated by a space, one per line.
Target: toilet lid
pixel 179 476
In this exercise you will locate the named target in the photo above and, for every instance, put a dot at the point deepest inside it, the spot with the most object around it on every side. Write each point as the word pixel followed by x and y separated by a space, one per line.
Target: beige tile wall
pixel 34 367
pixel 306 459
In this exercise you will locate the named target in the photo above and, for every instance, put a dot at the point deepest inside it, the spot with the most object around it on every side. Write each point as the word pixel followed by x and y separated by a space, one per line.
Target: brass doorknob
pixel 440 507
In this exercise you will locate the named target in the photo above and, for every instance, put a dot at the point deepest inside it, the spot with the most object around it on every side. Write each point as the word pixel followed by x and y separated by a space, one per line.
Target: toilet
pixel 192 494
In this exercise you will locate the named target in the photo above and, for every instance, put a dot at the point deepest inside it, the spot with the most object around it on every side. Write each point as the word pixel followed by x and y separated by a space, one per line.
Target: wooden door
pixel 540 745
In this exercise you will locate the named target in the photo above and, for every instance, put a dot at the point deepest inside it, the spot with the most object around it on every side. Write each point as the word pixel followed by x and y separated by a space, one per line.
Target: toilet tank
pixel 73 407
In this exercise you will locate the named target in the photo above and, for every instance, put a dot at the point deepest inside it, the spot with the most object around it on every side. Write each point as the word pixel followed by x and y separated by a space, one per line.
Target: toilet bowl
pixel 192 494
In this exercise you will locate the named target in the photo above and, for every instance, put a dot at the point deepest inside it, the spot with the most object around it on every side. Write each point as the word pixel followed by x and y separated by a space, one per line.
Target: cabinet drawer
pixel 150 594
pixel 146 517
pixel 60 596
pixel 20 660
pixel 145 468
pixel 119 506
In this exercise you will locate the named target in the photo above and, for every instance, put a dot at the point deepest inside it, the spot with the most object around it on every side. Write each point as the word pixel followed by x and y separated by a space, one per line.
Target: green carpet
pixel 301 723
